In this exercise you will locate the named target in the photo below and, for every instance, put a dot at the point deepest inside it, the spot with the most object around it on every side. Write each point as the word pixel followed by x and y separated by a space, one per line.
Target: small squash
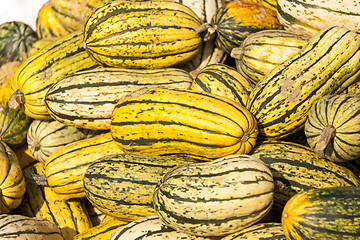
pixel 16 39
pixel 332 128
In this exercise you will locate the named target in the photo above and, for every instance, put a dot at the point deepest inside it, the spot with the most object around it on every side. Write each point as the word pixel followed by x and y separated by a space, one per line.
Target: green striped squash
pixel 332 128
pixel 326 213
pixel 12 181
pixel 70 216
pixel 86 99
pixel 297 168
pixel 215 198
pixel 209 53
pixel 172 121
pixel 102 231
pixel 16 39
pixel 34 77
pixel 309 17
pixel 282 99
pixel 65 168
pixel 224 80
pixel 262 51
pixel 44 137
pixel 142 34
pixel 14 125
pixel 259 231
pixel 235 21
pixel 19 227
pixel 151 228
pixel 122 185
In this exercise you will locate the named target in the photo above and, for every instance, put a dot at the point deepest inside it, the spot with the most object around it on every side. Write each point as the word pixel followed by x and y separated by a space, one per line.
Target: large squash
pixel 282 99
pixel 142 34
pixel 172 121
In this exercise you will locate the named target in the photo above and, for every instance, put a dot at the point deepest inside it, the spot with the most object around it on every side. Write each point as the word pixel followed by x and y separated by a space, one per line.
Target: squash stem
pixel 16 99
pixel 326 135
pixel 207 31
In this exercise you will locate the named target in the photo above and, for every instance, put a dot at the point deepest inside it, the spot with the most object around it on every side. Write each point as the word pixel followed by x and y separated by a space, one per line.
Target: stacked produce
pixel 167 119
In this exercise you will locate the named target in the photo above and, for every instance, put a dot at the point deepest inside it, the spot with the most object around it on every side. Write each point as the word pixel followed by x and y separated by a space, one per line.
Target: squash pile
pixel 167 119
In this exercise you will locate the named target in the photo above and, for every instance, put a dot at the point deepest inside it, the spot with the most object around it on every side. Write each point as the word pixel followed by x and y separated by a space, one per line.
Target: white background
pixel 20 10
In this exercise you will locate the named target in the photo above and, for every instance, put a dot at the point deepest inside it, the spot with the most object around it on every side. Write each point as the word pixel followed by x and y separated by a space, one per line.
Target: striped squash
pixel 259 231
pixel 297 168
pixel 262 51
pixel 16 39
pixel 232 23
pixel 14 125
pixel 142 34
pixel 12 181
pixel 326 213
pixel 215 198
pixel 33 78
pixel 44 137
pixel 282 99
pixel 19 227
pixel 151 228
pixel 224 80
pixel 72 14
pixel 65 168
pixel 86 99
pixel 332 128
pixel 169 121
pixel 122 185
pixel 102 231
pixel 309 17
pixel 70 216
pixel 47 25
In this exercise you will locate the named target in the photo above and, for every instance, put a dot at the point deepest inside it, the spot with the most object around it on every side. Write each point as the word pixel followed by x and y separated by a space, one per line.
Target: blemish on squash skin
pixel 290 95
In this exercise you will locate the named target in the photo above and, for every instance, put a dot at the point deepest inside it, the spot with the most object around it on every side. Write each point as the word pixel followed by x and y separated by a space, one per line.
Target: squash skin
pixel 16 41
pixel 142 34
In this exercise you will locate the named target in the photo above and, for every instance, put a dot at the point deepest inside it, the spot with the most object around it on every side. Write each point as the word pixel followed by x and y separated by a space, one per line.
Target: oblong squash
pixel 142 34
pixel 122 185
pixel 170 121
pixel 33 78
pixel 281 100
pixel 215 198
pixel 86 99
